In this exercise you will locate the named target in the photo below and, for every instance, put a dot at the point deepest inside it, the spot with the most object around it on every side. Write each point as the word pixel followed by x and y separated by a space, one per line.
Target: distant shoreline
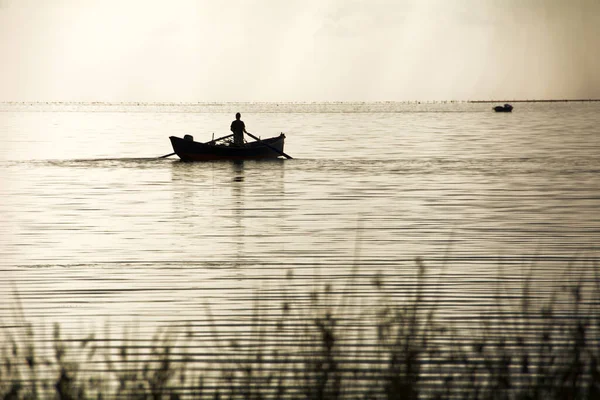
pixel 532 101
pixel 163 103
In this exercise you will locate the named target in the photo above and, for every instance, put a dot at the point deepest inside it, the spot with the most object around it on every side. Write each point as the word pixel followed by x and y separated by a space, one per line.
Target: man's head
pixel 238 116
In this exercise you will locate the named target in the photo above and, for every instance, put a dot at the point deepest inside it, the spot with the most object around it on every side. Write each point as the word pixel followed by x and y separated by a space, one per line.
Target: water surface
pixel 95 228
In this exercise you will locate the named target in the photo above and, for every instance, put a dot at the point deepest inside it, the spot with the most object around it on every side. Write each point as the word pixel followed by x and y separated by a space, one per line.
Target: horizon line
pixel 133 102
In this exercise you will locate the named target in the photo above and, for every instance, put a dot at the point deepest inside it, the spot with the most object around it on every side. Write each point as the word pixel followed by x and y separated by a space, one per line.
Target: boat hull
pixel 189 150
pixel 504 108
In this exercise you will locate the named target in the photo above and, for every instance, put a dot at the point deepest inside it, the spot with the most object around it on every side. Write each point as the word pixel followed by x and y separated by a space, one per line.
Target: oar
pixel 221 138
pixel 269 146
pixel 166 155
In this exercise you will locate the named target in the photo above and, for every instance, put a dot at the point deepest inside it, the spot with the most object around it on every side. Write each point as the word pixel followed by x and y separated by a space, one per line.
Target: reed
pixel 332 348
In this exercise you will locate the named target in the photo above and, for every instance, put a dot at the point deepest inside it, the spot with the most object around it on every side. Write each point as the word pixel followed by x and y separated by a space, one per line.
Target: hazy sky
pixel 298 50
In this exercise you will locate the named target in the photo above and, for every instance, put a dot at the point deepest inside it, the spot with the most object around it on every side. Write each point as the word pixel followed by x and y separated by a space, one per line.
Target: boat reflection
pixel 229 207
pixel 237 191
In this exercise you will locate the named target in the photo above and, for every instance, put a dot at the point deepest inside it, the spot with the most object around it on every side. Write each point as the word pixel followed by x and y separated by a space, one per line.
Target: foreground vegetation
pixel 330 348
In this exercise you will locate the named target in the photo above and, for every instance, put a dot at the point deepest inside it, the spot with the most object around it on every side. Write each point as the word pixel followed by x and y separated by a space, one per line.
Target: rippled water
pixel 96 229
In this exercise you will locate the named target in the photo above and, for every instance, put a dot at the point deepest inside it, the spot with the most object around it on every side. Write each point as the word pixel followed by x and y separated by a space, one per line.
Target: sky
pixel 298 50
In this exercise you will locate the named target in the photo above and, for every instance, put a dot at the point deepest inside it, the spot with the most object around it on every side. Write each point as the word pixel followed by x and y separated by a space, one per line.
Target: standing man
pixel 238 128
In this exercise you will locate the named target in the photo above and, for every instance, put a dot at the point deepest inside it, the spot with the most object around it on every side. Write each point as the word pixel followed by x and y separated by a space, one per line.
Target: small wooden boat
pixel 504 108
pixel 189 150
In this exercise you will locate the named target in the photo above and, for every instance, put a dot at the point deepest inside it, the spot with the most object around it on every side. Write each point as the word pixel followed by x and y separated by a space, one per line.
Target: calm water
pixel 95 229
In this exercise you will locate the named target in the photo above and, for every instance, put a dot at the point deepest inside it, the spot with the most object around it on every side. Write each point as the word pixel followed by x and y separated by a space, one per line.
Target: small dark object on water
pixel 504 108
pixel 189 150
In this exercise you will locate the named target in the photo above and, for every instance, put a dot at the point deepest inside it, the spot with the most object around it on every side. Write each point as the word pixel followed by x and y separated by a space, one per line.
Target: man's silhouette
pixel 238 128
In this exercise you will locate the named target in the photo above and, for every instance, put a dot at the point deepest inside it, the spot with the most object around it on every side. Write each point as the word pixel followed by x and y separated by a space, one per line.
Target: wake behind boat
pixel 221 149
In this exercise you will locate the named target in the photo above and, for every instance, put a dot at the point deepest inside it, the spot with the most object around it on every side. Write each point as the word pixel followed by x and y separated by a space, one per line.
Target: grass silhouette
pixel 330 348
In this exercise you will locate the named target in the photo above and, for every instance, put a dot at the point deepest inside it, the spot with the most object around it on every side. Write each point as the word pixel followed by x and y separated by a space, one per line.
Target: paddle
pixel 221 138
pixel 269 146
